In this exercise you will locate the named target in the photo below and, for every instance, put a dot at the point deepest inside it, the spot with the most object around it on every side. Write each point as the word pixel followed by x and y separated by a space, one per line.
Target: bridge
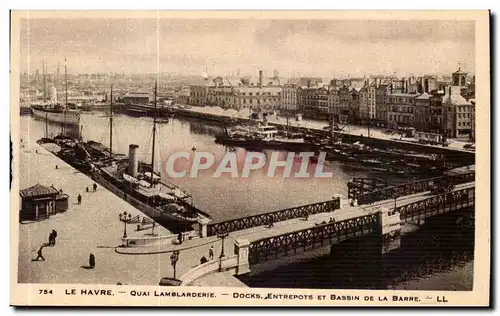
pixel 296 237
pixel 369 190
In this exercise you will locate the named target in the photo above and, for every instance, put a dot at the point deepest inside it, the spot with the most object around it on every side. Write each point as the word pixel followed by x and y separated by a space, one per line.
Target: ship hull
pixel 68 118
pixel 263 144
pixel 166 219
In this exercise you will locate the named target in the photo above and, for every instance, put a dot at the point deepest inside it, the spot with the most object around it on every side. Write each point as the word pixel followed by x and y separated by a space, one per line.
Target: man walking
pixel 211 253
pixel 54 236
pixel 40 254
pixel 79 198
pixel 95 187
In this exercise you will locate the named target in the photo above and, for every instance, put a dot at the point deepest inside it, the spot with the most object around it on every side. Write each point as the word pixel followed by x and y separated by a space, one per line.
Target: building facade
pixel 138 98
pixel 457 113
pixel 422 112
pixel 333 100
pixel 382 93
pixel 198 94
pixel 401 110
pixel 289 98
pixel 315 102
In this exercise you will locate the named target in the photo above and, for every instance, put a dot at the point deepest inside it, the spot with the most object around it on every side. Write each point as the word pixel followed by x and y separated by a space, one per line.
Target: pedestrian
pixel 54 236
pixel 79 199
pixel 92 261
pixel 40 255
pixel 87 189
pixel 51 238
pixel 179 238
pixel 57 167
pixel 203 260
pixel 211 253
pixel 95 187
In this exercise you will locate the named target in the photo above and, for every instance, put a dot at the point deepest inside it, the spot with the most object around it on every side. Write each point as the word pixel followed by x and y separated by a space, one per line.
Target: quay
pixel 353 133
pixel 249 246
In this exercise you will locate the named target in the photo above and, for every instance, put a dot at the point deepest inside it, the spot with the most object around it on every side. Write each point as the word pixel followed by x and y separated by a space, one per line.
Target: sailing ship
pixel 53 111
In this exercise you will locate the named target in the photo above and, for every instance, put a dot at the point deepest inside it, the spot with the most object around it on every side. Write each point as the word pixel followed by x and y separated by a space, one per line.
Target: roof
pixel 455 98
pixel 37 190
pixel 402 94
pixel 424 96
pixel 137 95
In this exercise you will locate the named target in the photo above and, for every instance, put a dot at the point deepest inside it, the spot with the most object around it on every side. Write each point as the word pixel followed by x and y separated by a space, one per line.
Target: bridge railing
pixel 272 247
pixel 438 204
pixel 277 216
pixel 413 187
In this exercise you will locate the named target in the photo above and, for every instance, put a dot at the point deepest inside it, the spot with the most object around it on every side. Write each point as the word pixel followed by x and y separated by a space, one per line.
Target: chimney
pixel 133 163
pixel 260 78
pixel 426 85
pixel 377 82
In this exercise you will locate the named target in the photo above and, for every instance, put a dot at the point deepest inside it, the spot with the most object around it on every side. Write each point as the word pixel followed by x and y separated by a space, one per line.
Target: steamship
pixel 139 184
pixel 56 113
pixel 133 181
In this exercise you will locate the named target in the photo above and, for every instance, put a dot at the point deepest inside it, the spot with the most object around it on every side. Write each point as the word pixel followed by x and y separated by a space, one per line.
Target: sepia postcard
pixel 250 158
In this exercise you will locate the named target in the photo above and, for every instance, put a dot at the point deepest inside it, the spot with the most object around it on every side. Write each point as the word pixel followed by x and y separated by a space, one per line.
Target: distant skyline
pixel 224 47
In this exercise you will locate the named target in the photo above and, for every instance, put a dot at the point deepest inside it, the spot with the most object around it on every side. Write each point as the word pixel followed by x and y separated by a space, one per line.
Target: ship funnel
pixel 133 163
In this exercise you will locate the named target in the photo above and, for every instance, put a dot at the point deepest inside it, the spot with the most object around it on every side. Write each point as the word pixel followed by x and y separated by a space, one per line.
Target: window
pixel 250 93
pixel 257 93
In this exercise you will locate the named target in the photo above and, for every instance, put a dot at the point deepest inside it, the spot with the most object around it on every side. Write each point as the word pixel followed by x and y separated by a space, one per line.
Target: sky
pixel 225 47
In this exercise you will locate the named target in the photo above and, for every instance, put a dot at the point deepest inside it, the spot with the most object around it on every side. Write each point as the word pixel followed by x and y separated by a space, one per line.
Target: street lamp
pixel 125 218
pixel 173 260
pixel 222 237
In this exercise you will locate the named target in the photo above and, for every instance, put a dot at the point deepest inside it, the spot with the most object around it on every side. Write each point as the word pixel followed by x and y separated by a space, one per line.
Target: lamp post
pixel 173 260
pixel 125 218
pixel 222 237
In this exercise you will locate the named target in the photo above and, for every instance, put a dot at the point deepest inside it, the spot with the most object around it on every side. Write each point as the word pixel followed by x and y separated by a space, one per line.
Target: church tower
pixel 459 78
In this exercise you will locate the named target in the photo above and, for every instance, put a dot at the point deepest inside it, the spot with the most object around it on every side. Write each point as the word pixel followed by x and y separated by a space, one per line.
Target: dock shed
pixel 40 202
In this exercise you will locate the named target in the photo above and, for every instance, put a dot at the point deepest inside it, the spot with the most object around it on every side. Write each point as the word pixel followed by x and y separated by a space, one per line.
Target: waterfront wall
pixel 452 155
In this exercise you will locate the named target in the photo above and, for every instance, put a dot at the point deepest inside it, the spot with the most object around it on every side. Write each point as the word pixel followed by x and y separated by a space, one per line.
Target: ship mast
pixel 66 96
pixel 44 83
pixel 154 136
pixel 111 124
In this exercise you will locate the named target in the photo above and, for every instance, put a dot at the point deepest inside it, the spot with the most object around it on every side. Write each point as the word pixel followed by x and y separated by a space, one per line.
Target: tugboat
pixel 263 136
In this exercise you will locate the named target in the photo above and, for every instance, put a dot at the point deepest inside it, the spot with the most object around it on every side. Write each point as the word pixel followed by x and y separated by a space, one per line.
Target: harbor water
pixel 447 264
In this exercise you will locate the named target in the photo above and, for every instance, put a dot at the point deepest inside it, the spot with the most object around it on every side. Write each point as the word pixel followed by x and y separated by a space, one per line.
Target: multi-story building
pixel 457 113
pixel 372 109
pixel 422 112
pixel 198 94
pixel 333 100
pixel 315 102
pixel 289 98
pixel 382 92
pixel 435 122
pixel 349 103
pixel 401 109
pixel 255 97
pixel 138 98
pixel 364 107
